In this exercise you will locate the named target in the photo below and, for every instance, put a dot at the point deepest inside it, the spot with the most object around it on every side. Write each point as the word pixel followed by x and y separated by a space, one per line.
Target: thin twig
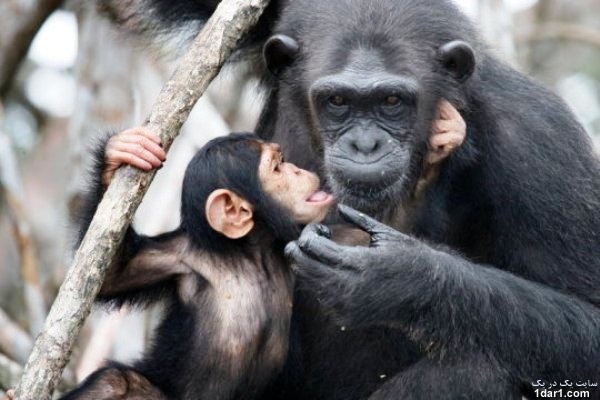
pixel 563 31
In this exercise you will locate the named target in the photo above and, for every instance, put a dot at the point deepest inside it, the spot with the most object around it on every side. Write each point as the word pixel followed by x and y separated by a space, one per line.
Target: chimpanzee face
pixel 366 117
pixel 293 188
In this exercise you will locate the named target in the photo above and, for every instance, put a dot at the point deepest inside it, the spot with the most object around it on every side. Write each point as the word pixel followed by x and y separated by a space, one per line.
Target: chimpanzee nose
pixel 365 144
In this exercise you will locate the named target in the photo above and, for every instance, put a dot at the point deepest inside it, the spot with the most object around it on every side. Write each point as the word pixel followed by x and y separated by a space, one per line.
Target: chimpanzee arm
pixel 143 265
pixel 144 268
pixel 449 304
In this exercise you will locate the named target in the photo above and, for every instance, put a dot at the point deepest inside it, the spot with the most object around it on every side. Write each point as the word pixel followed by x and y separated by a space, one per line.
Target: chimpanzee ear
pixel 279 52
pixel 229 214
pixel 458 58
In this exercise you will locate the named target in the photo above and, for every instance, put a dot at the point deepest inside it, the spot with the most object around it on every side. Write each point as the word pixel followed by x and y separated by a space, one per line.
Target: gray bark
pixel 218 39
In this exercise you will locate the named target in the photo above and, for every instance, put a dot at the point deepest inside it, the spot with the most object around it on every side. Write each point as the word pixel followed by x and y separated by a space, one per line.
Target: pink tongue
pixel 318 196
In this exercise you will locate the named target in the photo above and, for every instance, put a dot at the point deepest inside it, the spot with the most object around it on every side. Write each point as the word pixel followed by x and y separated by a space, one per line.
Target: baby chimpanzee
pixel 222 273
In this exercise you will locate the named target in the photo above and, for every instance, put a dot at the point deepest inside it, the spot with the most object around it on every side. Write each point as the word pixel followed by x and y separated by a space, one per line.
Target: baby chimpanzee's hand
pixel 447 133
pixel 137 147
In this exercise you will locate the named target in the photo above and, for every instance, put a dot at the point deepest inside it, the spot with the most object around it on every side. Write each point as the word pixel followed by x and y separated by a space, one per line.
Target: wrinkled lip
pixel 319 196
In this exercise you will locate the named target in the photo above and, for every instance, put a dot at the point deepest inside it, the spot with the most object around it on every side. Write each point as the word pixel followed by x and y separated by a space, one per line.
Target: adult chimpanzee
pixel 228 288
pixel 513 297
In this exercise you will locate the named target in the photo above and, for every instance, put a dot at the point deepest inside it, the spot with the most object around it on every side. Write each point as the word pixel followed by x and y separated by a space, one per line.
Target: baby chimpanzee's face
pixel 293 188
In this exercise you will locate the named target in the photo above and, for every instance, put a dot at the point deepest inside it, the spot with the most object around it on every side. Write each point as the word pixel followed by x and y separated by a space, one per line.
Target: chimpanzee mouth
pixel 368 187
pixel 368 198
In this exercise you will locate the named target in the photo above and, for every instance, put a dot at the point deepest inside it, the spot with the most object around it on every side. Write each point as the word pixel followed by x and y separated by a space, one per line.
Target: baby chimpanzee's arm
pixel 141 264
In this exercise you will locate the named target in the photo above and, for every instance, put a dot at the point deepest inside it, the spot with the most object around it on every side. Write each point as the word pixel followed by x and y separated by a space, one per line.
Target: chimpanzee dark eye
pixel 392 100
pixel 337 101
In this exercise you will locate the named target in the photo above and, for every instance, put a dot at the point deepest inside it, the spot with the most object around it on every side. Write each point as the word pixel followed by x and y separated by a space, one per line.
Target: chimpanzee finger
pixel 322 248
pixel 117 158
pixel 144 143
pixel 143 131
pixel 362 220
pixel 301 261
pixel 441 127
pixel 137 152
pixel 446 141
pixel 376 229
pixel 309 268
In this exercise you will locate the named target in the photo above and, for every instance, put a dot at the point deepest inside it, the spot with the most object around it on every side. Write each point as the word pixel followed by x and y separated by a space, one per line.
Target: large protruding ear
pixel 458 58
pixel 229 214
pixel 279 52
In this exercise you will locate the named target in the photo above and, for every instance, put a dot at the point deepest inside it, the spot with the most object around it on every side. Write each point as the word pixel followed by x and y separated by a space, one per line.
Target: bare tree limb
pixel 215 43
pixel 10 372
pixel 12 189
pixel 564 31
pixel 34 295
pixel 14 341
pixel 20 22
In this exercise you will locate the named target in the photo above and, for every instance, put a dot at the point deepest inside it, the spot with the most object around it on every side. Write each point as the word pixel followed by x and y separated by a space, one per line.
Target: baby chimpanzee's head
pixel 239 181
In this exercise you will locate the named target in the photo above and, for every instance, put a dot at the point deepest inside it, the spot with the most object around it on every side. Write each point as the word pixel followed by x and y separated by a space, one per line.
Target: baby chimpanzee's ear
pixel 229 214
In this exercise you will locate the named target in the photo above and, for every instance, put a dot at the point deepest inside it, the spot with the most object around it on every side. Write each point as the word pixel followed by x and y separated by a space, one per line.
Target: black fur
pixel 522 195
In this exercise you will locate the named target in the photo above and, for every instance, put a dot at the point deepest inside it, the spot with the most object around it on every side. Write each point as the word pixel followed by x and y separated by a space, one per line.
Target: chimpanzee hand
pixel 356 282
pixel 448 132
pixel 137 147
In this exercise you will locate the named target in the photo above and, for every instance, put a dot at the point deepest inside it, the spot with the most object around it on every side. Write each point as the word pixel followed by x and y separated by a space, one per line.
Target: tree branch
pixel 12 189
pixel 564 31
pixel 14 341
pixel 10 372
pixel 20 22
pixel 215 43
